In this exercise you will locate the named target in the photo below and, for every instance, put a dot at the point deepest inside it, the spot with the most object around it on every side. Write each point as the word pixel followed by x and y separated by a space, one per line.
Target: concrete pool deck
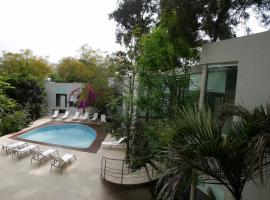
pixel 21 180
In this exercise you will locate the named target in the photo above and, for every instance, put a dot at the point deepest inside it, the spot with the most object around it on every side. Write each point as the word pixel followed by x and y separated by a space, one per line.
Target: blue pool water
pixel 71 135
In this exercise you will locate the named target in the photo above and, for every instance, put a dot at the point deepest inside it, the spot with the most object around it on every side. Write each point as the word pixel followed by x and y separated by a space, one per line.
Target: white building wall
pixel 53 88
pixel 252 55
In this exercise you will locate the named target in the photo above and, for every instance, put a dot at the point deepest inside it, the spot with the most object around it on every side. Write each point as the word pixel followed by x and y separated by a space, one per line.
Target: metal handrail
pixel 123 172
pixel 125 178
pixel 146 157
pixel 114 170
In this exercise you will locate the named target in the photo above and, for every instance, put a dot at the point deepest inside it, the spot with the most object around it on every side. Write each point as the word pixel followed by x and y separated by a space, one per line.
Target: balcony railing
pixel 118 171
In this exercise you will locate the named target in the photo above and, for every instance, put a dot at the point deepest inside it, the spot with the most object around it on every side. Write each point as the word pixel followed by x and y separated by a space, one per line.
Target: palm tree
pixel 200 151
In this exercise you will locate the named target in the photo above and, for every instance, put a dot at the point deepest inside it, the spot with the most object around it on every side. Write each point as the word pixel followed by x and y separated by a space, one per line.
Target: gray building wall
pixel 252 56
pixel 53 88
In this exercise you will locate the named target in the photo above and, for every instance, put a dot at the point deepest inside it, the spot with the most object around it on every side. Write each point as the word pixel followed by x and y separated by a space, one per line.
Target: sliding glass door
pixel 221 86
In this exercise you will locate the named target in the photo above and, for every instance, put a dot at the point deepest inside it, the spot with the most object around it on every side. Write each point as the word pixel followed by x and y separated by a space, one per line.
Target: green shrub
pixel 14 122
pixel 28 91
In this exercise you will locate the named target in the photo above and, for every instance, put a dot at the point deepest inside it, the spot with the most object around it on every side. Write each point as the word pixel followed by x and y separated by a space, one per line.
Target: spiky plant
pixel 200 147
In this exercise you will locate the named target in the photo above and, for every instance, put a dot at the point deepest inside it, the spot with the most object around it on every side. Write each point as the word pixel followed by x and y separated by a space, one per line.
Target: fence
pixel 118 171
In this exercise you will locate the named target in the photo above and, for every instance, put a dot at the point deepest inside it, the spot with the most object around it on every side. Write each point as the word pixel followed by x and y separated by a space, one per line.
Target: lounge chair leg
pixel 61 170
pixel 51 169
pixel 31 160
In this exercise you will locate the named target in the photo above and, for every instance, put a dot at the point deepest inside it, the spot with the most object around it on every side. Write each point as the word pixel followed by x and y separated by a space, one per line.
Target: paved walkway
pixel 21 180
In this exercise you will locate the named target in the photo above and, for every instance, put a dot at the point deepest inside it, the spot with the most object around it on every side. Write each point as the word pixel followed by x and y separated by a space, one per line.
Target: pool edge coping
pixel 93 148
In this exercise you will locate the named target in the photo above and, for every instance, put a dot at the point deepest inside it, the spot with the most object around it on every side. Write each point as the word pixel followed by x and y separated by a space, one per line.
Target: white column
pixel 203 88
pixel 201 104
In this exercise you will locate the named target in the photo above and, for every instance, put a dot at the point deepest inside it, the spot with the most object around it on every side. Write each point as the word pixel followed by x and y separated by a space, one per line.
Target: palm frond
pixel 199 146
pixel 210 194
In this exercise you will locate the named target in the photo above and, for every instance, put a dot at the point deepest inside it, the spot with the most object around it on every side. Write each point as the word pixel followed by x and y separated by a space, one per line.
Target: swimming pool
pixel 70 135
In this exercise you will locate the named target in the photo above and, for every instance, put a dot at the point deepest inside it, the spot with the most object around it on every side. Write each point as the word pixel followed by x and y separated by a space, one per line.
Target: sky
pixel 58 28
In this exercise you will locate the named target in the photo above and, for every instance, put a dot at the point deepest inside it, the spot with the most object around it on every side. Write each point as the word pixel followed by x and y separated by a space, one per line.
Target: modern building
pixel 62 96
pixel 236 71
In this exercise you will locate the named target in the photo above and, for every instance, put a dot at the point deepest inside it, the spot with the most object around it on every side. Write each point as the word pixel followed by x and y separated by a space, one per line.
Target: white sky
pixel 58 28
pixel 253 23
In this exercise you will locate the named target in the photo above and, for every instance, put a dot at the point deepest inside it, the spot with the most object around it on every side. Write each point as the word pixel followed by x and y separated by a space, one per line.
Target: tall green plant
pixel 197 20
pixel 163 72
pixel 29 92
pixel 200 146
pixel 12 116
pixel 6 104
pixel 24 63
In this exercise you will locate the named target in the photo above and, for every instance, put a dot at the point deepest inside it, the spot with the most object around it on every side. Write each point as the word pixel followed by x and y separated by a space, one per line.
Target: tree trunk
pixel 237 196
pixel 128 148
pixel 147 108
pixel 192 192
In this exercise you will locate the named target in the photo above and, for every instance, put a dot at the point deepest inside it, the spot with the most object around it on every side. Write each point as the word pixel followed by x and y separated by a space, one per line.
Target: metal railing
pixel 119 171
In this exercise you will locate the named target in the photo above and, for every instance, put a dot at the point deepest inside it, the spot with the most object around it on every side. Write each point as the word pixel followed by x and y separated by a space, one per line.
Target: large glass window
pixel 195 81
pixel 194 87
pixel 221 86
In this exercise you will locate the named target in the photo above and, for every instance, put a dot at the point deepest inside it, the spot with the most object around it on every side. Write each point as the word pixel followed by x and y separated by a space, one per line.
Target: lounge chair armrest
pixel 24 145
pixel 55 152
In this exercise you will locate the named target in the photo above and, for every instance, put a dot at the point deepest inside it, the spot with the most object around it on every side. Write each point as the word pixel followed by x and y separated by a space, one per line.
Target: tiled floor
pixel 21 180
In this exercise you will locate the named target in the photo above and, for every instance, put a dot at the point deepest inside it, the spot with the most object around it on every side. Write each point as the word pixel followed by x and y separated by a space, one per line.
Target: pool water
pixel 70 135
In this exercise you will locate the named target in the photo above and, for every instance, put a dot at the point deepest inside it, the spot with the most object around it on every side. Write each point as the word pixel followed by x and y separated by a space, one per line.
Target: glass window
pixel 221 86
pixel 216 81
pixel 192 92
pixel 61 100
pixel 195 81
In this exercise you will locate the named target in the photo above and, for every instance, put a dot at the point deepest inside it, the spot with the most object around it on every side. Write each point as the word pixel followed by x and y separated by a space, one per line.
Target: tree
pixel 27 91
pixel 90 57
pixel 103 90
pixel 12 116
pixel 103 70
pixel 134 19
pixel 87 97
pixel 195 21
pixel 200 146
pixel 6 103
pixel 24 62
pixel 163 68
pixel 118 64
pixel 23 90
pixel 73 70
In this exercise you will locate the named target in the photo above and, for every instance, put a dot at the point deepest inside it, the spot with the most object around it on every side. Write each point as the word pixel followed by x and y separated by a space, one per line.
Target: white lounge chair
pixel 95 116
pixel 11 146
pixel 60 162
pixel 65 116
pixel 41 155
pixel 18 152
pixel 55 114
pixel 114 143
pixel 102 118
pixel 85 116
pixel 76 115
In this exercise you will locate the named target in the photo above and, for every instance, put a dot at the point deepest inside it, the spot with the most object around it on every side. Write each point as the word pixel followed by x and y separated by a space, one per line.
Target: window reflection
pixel 221 86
